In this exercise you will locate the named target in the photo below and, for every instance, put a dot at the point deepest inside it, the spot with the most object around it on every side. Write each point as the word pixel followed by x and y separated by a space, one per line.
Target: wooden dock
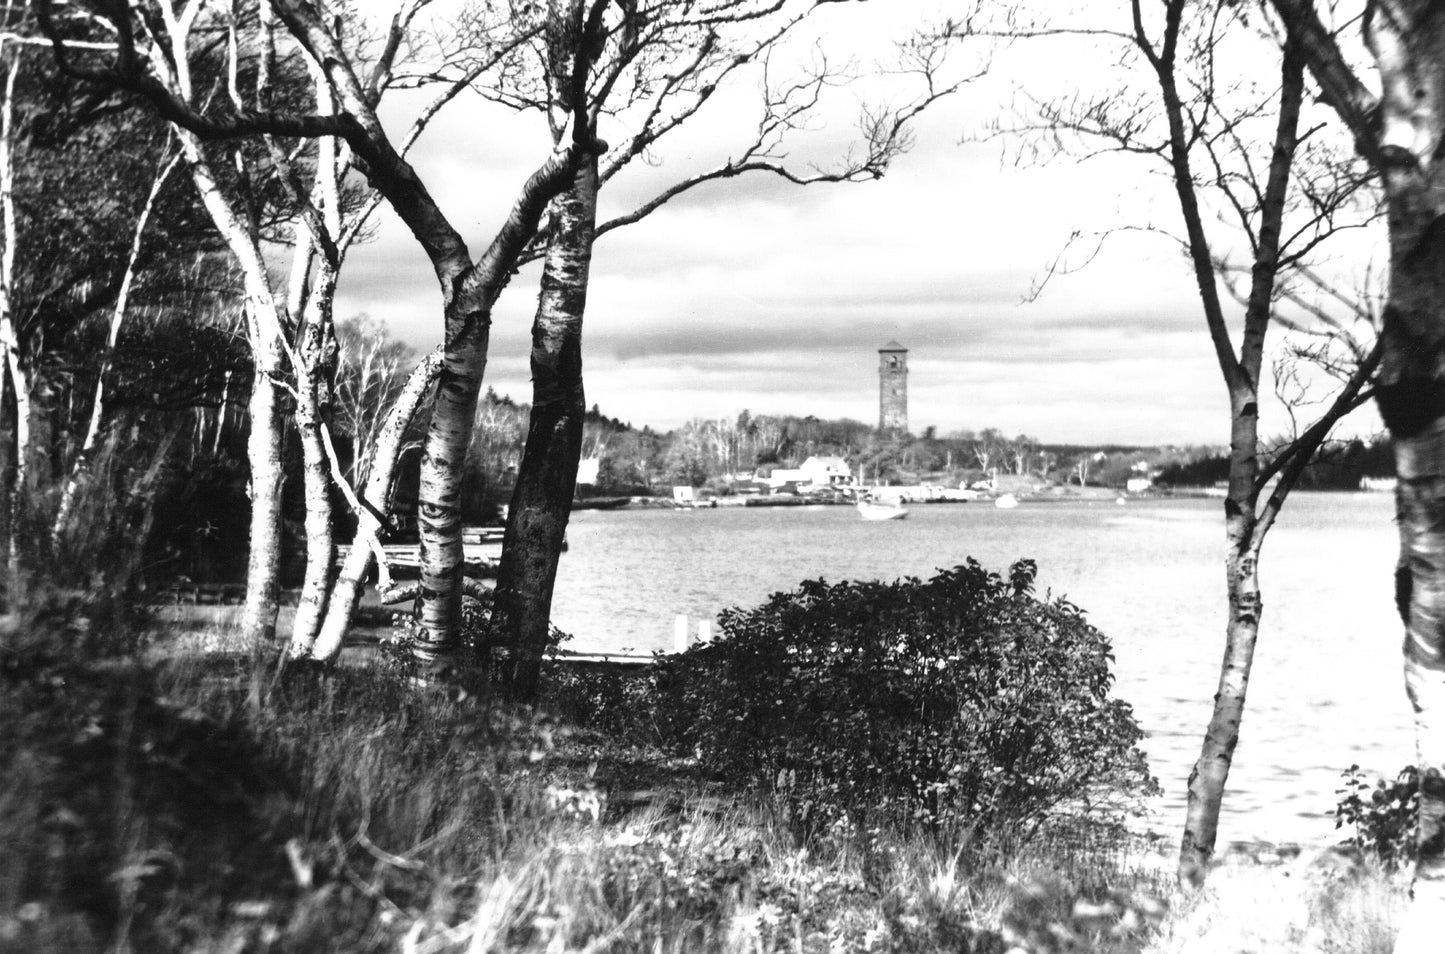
pixel 604 660
pixel 481 552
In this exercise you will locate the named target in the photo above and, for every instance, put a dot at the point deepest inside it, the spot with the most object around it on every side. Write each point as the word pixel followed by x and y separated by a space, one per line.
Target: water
pixel 1326 689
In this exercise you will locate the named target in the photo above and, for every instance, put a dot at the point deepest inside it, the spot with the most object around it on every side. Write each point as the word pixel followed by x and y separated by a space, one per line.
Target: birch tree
pixel 372 370
pixel 118 314
pixel 61 265
pixel 1399 131
pixel 591 54
pixel 16 374
pixel 372 506
pixel 152 55
pixel 1244 155
pixel 660 62
pixel 1280 236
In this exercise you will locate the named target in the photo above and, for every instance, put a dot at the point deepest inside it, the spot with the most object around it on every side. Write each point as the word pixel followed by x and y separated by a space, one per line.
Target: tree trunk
pixel 1420 457
pixel 117 317
pixel 1244 531
pixel 1211 772
pixel 263 452
pixel 314 381
pixel 439 494
pixel 20 467
pixel 320 527
pixel 547 478
pixel 386 453
pixel 264 443
pixel 14 367
pixel 1408 41
pixel 470 297
pixel 1412 402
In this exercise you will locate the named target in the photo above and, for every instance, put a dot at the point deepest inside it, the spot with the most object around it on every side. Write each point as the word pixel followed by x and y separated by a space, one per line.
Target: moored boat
pixel 872 510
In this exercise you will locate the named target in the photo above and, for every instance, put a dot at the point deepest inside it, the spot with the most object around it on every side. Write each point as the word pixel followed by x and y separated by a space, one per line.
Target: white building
pixel 815 471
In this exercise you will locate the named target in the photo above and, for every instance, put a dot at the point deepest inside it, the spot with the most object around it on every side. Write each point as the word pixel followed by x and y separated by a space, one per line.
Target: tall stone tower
pixel 893 388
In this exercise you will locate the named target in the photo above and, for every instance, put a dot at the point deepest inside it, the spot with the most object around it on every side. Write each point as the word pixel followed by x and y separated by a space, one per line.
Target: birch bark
pixel 1408 42
pixel 264 439
pixel 117 319
pixel 666 61
pixel 376 505
pixel 315 271
pixel 1257 194
pixel 542 501
pixel 1401 132
pixel 468 324
pixel 9 340
pixel 1244 532
pixel 312 396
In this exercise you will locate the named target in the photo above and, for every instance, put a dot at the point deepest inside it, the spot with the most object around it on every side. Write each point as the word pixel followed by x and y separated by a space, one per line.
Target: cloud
pixel 753 293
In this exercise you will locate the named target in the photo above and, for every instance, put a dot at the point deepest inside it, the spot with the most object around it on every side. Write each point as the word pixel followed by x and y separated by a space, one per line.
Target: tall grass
pixel 1326 902
pixel 207 803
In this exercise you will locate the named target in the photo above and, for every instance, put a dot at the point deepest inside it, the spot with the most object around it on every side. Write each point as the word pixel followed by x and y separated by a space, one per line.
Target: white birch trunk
pixel 439 515
pixel 376 502
pixel 264 334
pixel 264 443
pixel 117 318
pixel 263 453
pixel 1402 132
pixel 9 338
pixel 20 384
pixel 312 389
pixel 1244 532
pixel 547 478
pixel 1408 41
pixel 468 327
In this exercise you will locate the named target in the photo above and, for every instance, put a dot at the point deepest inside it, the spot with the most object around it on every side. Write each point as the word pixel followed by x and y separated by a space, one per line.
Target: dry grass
pixel 1327 902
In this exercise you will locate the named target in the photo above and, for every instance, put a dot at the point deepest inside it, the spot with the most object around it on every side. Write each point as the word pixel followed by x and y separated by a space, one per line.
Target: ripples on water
pixel 1326 689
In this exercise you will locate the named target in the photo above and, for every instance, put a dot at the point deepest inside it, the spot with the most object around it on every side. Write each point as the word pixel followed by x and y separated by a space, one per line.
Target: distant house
pixel 815 472
pixel 827 471
pixel 1142 480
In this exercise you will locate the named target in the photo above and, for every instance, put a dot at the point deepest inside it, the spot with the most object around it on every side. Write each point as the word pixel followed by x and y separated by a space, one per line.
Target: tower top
pixel 893 388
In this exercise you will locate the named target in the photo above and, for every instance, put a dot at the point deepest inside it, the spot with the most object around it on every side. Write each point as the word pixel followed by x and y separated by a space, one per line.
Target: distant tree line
pixel 1339 465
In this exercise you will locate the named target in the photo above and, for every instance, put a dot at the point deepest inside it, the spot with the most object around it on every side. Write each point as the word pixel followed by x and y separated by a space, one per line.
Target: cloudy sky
pixel 758 295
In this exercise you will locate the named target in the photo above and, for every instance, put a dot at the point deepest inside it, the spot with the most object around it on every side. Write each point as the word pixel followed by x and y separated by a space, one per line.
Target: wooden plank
pixel 603 660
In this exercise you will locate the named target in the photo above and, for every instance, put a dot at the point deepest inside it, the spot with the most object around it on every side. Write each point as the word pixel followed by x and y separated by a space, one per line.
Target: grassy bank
pixel 210 803
pixel 206 803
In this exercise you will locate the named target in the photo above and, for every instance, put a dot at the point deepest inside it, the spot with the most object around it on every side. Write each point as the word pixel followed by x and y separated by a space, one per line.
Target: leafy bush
pixel 1383 813
pixel 475 654
pixel 961 700
pixel 611 699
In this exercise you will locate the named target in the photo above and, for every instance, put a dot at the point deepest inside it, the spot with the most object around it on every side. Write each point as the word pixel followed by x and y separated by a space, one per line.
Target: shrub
pixel 961 700
pixel 1383 813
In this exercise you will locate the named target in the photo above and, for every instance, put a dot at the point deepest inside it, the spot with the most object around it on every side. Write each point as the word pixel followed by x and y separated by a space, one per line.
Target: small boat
pixel 872 510
pixel 1006 502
